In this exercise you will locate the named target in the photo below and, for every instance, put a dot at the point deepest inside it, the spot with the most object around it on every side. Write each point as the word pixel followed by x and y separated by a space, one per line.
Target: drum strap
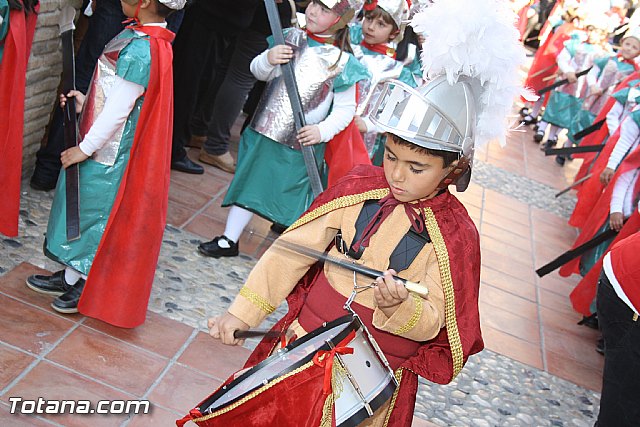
pixel 404 253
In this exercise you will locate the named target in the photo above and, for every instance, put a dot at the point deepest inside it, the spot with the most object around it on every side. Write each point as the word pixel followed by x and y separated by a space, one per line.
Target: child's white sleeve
pixel 628 135
pixel 622 196
pixel 564 62
pixel 262 69
pixel 613 117
pixel 592 76
pixel 117 107
pixel 342 112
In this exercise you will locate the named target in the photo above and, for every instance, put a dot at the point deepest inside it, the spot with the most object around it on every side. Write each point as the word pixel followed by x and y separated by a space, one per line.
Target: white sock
pixel 542 126
pixel 71 276
pixel 237 220
pixel 535 110
pixel 554 131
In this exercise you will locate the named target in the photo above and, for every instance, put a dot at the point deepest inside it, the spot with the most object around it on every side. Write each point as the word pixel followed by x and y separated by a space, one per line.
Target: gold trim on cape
pixel 253 394
pixel 447 286
pixel 340 202
pixel 398 375
pixel 257 300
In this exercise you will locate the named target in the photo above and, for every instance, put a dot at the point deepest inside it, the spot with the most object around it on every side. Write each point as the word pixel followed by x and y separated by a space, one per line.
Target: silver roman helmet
pixel 471 59
pixel 174 4
pixel 438 116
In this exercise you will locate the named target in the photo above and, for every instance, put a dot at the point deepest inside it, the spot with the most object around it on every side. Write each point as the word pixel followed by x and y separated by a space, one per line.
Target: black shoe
pixel 590 321
pixel 214 250
pixel 67 303
pixel 549 144
pixel 277 228
pixel 529 120
pixel 600 345
pixel 41 184
pixel 50 285
pixel 187 166
pixel 560 159
pixel 539 136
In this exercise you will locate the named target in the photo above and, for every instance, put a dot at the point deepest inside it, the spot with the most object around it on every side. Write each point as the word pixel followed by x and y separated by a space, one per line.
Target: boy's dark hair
pixel 163 10
pixel 448 157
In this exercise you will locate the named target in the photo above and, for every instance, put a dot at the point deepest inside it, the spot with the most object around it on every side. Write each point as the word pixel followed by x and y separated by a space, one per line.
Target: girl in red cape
pixel 599 216
pixel 17 26
pixel 124 195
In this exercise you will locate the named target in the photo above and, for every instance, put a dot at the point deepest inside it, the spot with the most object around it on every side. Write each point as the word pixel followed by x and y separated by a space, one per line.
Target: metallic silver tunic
pixel 104 77
pixel 609 77
pixel 314 71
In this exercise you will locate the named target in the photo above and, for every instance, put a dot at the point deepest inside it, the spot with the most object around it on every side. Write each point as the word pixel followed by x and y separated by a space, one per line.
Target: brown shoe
pixel 223 161
pixel 196 141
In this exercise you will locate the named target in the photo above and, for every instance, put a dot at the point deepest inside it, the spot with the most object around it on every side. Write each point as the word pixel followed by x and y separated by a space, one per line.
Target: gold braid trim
pixel 253 394
pixel 340 202
pixel 256 299
pixel 413 321
pixel 447 286
pixel 398 375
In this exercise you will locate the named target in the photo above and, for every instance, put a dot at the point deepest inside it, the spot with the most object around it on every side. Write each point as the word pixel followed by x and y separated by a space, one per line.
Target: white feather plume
pixel 476 38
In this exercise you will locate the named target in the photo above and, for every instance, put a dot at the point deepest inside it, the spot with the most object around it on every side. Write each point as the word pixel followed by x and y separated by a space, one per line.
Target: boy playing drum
pixel 400 219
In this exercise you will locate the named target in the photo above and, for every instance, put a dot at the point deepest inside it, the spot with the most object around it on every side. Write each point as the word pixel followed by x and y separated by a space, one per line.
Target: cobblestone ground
pixel 492 390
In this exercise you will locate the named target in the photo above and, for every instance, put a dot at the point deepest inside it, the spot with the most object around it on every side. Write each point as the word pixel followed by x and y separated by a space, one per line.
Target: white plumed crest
pixel 476 38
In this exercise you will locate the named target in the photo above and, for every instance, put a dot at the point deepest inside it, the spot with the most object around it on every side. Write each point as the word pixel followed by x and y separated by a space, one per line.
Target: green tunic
pixel 271 179
pixel 99 183
pixel 4 27
pixel 584 118
pixel 563 106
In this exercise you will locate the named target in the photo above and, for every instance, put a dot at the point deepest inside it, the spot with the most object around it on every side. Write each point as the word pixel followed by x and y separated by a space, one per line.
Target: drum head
pixel 281 362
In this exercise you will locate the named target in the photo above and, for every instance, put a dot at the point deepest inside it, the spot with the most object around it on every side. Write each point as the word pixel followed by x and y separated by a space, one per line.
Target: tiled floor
pixel 50 356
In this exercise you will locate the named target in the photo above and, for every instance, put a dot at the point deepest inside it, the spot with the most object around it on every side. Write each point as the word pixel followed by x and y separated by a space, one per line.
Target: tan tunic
pixel 280 269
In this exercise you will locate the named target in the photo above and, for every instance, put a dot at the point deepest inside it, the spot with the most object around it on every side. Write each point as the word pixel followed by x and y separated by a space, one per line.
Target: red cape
pixel 599 136
pixel 585 291
pixel 345 151
pixel 433 360
pixel 119 283
pixel 600 212
pixel 544 62
pixel 13 73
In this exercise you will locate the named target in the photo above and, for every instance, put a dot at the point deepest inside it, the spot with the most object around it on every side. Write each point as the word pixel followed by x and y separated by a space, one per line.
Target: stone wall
pixel 43 77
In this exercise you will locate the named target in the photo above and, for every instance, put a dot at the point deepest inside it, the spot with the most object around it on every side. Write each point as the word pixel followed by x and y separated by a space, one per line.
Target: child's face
pixel 319 18
pixel 595 35
pixel 412 175
pixel 630 48
pixel 377 30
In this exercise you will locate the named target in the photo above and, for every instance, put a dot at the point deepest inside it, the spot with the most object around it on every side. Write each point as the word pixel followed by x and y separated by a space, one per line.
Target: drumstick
pixel 417 288
pixel 266 333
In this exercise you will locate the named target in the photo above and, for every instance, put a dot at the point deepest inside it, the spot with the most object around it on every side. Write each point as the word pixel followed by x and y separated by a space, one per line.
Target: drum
pixel 367 384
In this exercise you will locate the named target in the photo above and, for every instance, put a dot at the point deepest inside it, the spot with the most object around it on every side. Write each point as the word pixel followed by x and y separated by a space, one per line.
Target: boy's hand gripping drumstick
pixel 416 288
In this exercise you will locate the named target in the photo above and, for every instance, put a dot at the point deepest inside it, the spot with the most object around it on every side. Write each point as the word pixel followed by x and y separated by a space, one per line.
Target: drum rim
pixel 354 323
pixel 375 404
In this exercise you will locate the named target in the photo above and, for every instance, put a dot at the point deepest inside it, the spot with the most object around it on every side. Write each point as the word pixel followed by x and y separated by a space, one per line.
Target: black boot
pixel 49 285
pixel 67 303
pixel 590 321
